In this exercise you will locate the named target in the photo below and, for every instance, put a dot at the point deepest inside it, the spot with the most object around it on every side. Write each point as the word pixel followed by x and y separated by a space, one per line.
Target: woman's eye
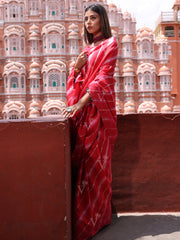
pixel 93 17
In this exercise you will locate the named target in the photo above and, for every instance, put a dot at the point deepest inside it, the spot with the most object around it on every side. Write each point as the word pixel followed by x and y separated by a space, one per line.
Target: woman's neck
pixel 97 38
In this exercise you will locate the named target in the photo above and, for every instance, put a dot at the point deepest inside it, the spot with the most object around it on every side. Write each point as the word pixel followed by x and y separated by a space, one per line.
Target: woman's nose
pixel 88 20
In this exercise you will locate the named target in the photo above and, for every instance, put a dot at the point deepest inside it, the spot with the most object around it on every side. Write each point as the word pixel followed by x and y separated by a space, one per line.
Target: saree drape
pixel 94 135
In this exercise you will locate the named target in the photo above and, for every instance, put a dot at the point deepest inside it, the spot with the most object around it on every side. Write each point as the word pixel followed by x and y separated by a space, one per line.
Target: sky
pixel 146 12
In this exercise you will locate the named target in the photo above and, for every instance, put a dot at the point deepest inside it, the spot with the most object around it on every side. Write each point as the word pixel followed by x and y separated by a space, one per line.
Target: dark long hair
pixel 104 23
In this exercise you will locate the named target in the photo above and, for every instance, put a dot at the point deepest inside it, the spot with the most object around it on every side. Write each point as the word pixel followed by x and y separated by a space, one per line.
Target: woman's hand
pixel 81 60
pixel 71 110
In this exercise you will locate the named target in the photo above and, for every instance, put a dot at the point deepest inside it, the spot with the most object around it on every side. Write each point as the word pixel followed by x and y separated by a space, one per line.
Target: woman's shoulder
pixel 111 41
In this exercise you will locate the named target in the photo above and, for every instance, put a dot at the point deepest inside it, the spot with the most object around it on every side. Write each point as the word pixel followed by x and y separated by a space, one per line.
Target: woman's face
pixel 92 22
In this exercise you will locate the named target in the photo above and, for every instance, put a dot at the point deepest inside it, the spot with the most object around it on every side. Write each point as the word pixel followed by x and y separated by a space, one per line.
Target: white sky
pixel 146 12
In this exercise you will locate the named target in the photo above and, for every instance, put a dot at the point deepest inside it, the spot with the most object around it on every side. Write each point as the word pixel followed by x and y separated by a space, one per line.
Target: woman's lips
pixel 89 27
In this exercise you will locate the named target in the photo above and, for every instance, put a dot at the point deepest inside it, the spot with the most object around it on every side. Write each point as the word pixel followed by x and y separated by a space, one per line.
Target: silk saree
pixel 94 133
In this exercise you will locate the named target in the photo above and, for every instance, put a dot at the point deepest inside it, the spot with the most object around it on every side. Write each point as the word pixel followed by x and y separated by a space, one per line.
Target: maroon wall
pixel 35 181
pixel 35 173
pixel 146 164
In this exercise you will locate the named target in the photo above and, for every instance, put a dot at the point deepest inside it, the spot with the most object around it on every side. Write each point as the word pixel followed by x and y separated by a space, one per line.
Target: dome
pixel 34 28
pixel 164 70
pixel 129 110
pixel 73 35
pixel 112 5
pixel 34 113
pixel 127 38
pixel 34 65
pixel 129 107
pixel 34 106
pixel 145 29
pixel 34 36
pixel 127 15
pixel 73 27
pixel 128 70
pixel 129 104
pixel 145 32
pixel 34 72
pixel 166 109
pixel 128 65
pixel 163 39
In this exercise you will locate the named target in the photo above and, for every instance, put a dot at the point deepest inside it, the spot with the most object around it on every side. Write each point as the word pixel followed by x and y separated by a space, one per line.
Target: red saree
pixel 95 133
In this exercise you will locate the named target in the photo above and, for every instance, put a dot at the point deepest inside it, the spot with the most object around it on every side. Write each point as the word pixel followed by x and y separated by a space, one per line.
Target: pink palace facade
pixel 39 42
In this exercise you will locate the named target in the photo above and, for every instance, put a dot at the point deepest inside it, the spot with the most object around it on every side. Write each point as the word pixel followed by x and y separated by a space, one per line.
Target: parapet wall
pixel 35 180
pixel 146 164
pixel 35 186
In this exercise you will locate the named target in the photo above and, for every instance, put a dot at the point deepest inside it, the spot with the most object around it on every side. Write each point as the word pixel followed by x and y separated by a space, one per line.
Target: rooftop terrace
pixel 168 17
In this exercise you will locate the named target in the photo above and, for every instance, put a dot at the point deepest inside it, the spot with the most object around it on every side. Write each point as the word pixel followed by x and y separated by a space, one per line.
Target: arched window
pixel 17 45
pixel 14 79
pixel 128 84
pixel 34 46
pixel 14 82
pixel 53 107
pixel 74 46
pixel 153 81
pixel 53 111
pixel 53 38
pixel 127 50
pixel 14 36
pixel 146 48
pixel 140 82
pixel 33 7
pixel 54 80
pixel 73 7
pixel 14 12
pixel 14 110
pixel 13 115
pixel 53 10
pixel 165 84
pixel 169 31
pixel 147 81
pixel 138 49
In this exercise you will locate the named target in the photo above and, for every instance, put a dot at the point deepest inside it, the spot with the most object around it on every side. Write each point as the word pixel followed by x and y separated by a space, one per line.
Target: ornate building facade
pixel 169 25
pixel 39 42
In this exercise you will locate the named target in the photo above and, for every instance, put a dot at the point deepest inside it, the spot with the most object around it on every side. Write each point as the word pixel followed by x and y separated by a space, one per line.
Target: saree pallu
pixel 94 134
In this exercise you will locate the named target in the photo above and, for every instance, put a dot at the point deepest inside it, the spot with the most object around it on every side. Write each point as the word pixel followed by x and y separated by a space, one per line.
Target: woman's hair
pixel 104 23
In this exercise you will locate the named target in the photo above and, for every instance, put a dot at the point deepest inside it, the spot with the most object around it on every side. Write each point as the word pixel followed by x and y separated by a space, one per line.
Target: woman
pixel 91 101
